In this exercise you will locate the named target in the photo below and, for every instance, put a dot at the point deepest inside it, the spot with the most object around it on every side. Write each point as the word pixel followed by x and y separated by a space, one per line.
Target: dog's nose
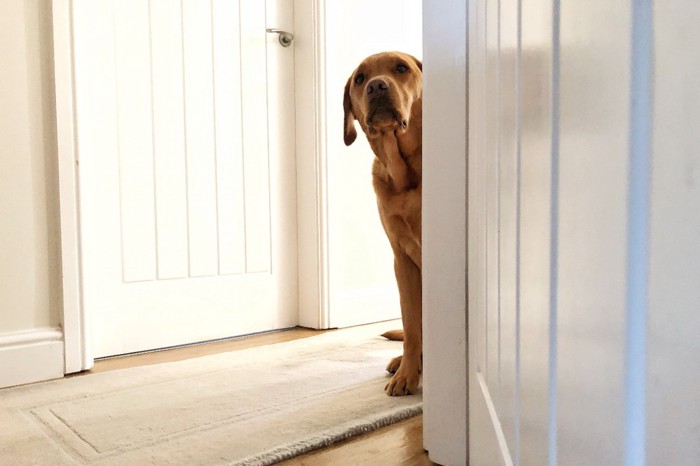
pixel 376 87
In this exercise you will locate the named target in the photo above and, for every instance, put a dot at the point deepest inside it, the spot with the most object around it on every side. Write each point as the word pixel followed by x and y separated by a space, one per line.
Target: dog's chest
pixel 404 206
pixel 400 213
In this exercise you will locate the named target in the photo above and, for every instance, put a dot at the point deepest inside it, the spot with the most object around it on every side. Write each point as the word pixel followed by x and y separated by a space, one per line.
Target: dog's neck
pixel 393 166
pixel 399 154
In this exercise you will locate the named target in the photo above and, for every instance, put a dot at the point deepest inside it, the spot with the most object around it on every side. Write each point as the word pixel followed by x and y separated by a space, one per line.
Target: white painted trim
pixel 311 150
pixel 77 350
pixel 445 136
pixel 31 356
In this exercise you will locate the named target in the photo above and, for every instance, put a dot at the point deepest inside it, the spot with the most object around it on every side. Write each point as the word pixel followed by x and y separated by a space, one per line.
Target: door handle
pixel 286 38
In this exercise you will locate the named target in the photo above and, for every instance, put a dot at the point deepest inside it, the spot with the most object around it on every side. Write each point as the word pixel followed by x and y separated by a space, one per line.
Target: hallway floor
pixel 399 444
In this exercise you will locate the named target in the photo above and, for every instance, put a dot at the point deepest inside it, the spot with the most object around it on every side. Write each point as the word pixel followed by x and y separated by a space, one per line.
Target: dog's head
pixel 381 93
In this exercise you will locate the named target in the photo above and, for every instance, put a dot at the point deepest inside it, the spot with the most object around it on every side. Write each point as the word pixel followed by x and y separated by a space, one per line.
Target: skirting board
pixel 30 356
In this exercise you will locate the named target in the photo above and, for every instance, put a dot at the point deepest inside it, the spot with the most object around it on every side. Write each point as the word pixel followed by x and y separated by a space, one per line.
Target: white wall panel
pixel 673 346
pixel 504 157
pixel 229 136
pixel 491 193
pixel 200 142
pixel 535 223
pixel 169 138
pixel 135 132
pixel 477 80
pixel 595 80
pixel 593 309
pixel 255 148
pixel 486 440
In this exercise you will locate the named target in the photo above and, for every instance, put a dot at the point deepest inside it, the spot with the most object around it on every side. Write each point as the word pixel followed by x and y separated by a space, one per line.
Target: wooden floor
pixel 398 444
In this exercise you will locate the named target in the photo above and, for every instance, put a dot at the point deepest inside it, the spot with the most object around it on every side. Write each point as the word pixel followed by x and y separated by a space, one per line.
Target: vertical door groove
pixel 554 239
pixel 518 207
pixel 185 139
pixel 153 132
pixel 212 40
pixel 498 190
pixel 638 211
pixel 243 183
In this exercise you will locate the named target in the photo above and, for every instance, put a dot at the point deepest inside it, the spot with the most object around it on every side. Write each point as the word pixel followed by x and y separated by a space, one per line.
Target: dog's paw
pixel 403 382
pixel 394 365
pixel 394 335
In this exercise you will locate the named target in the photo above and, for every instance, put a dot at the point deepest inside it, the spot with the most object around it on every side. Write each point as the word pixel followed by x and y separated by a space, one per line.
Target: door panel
pixel 228 127
pixel 179 178
pixel 134 139
pixel 200 140
pixel 169 140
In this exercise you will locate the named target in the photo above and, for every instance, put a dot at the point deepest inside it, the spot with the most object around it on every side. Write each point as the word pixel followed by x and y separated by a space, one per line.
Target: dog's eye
pixel 360 78
pixel 401 68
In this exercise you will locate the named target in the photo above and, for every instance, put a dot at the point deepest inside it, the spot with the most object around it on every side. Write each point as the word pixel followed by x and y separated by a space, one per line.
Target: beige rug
pixel 254 406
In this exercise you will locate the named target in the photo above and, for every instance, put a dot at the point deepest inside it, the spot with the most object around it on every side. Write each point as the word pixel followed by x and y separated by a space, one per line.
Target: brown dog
pixel 384 94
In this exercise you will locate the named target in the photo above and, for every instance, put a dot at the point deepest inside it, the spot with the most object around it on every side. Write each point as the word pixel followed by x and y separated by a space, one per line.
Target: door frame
pixel 77 354
pixel 312 194
pixel 312 165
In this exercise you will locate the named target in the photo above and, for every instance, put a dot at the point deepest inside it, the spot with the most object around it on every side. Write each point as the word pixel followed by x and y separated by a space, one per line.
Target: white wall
pixel 361 275
pixel 673 373
pixel 584 201
pixel 30 286
pixel 30 275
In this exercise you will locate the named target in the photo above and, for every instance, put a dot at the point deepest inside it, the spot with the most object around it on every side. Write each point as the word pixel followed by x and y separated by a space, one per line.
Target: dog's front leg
pixel 408 276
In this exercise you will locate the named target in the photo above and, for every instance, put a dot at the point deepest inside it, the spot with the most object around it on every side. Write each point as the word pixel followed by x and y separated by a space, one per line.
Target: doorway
pixel 202 214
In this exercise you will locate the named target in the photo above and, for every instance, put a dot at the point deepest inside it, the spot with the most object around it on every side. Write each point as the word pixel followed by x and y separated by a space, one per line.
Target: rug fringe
pixel 292 450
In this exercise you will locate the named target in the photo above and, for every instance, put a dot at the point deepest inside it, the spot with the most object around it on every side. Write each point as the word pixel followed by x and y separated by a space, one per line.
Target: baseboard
pixel 363 306
pixel 31 356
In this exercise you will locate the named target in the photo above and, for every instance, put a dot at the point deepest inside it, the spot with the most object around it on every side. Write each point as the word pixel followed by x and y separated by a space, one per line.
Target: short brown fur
pixel 384 94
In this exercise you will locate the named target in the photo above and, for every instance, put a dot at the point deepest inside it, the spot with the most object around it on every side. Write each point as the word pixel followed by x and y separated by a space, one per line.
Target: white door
pixel 185 141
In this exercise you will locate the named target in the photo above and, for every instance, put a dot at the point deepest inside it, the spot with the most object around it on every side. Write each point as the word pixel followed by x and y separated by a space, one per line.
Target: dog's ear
pixel 419 63
pixel 349 132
